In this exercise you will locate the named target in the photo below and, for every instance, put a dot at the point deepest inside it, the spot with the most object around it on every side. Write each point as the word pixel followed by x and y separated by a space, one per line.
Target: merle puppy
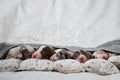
pixel 61 54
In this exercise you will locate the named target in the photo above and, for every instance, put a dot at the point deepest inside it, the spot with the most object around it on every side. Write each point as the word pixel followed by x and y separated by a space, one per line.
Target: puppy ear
pixel 82 51
pixel 49 49
pixel 35 49
pixel 23 48
pixel 70 54
pixel 53 50
pixel 87 54
pixel 47 52
pixel 76 54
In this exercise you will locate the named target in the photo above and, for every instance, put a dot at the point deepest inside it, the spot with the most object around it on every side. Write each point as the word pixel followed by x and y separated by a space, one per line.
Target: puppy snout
pixel 105 57
pixel 81 58
pixel 37 56
pixel 34 56
pixel 52 58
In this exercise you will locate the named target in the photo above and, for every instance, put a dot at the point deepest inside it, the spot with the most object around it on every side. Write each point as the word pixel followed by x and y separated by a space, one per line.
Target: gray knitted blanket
pixel 113 46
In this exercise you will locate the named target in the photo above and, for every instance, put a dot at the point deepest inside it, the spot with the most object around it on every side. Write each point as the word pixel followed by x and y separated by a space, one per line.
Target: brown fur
pixel 87 54
pixel 44 52
pixel 47 52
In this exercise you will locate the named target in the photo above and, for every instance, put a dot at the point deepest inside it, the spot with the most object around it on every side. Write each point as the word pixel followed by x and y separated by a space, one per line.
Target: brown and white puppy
pixel 21 52
pixel 44 52
pixel 102 54
pixel 61 54
pixel 82 56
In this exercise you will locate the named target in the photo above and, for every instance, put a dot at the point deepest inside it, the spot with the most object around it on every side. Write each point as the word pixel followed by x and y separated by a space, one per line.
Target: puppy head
pixel 60 54
pixel 14 53
pixel 44 52
pixel 82 56
pixel 26 51
pixel 20 52
pixel 102 54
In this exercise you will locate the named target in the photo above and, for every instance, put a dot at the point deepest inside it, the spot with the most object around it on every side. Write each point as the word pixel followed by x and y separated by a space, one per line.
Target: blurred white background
pixel 84 23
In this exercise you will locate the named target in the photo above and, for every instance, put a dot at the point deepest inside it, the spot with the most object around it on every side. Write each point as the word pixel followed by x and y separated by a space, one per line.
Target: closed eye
pixel 61 53
pixel 57 54
pixel 93 56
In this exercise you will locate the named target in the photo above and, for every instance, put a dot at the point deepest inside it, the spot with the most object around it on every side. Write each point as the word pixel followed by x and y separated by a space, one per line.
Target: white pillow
pixel 115 60
pixel 36 64
pixel 68 66
pixel 101 66
pixel 9 64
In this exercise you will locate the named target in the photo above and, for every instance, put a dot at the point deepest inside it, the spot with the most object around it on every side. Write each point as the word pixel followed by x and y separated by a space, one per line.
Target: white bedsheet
pixel 84 23
pixel 39 75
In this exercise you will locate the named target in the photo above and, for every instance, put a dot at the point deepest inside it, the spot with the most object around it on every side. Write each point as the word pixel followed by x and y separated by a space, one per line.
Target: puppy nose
pixel 52 58
pixel 81 58
pixel 34 56
pixel 105 57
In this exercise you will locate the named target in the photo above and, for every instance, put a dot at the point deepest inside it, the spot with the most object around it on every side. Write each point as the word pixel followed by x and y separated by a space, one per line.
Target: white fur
pixel 59 50
pixel 30 48
pixel 41 48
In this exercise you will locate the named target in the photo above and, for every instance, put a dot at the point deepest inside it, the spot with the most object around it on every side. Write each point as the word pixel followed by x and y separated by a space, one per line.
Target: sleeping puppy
pixel 102 54
pixel 21 52
pixel 82 56
pixel 61 54
pixel 44 52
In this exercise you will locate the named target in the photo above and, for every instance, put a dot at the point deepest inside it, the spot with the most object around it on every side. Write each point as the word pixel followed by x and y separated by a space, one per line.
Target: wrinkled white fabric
pixel 9 65
pixel 101 66
pixel 85 23
pixel 68 66
pixel 40 75
pixel 115 60
pixel 36 64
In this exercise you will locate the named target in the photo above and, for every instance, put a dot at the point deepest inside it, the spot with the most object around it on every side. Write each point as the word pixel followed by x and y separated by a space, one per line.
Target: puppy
pixel 82 56
pixel 61 54
pixel 102 54
pixel 44 52
pixel 21 52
